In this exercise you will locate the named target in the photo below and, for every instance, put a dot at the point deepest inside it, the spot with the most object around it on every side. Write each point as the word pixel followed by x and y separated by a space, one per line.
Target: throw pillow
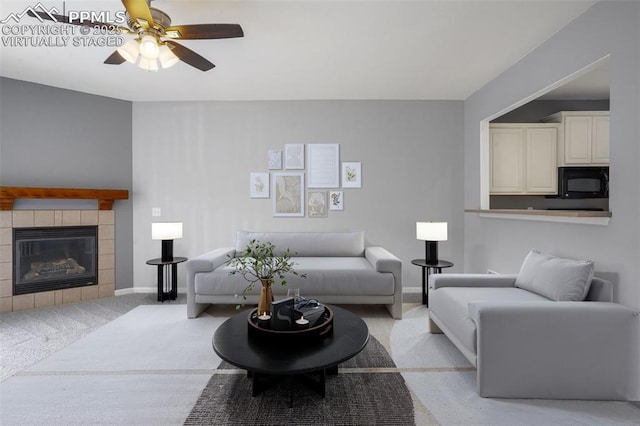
pixel 554 277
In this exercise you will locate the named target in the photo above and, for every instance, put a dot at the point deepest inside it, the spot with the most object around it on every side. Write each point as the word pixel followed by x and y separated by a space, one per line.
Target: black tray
pixel 321 329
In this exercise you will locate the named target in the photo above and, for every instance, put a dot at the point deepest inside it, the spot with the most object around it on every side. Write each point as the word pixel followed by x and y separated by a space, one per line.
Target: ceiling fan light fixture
pixel 167 58
pixel 129 51
pixel 149 47
pixel 148 64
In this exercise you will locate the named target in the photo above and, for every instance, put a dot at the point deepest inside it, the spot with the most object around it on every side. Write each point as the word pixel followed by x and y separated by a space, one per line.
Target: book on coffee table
pixel 282 314
pixel 311 310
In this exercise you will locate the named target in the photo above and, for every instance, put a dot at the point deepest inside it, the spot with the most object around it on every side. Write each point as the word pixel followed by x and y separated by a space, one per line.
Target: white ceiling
pixel 306 49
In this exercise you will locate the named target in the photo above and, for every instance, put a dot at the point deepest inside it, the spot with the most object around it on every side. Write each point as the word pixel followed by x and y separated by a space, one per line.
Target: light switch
pixel 156 212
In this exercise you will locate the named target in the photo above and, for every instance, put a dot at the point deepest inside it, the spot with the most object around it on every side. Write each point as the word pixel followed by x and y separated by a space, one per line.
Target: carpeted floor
pixel 130 360
pixel 28 336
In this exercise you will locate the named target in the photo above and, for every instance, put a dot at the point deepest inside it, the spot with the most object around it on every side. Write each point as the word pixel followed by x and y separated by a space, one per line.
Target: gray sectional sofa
pixel 339 269
pixel 551 331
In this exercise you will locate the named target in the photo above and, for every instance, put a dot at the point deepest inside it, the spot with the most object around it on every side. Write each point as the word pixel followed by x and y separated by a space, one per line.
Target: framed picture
pixel 259 185
pixel 323 162
pixel 317 204
pixel 351 175
pixel 275 159
pixel 336 200
pixel 288 194
pixel 294 156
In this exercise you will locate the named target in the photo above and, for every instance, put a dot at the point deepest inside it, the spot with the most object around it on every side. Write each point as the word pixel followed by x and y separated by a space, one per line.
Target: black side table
pixel 428 269
pixel 167 277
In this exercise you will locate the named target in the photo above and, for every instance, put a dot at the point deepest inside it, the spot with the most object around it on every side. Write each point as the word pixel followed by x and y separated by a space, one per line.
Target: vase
pixel 266 297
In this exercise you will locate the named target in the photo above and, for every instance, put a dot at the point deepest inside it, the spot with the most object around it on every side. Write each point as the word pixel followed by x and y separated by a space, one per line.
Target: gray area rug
pixel 353 397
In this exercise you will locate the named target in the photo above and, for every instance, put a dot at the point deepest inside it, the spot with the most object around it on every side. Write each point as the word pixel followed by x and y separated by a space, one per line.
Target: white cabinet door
pixel 600 140
pixel 586 139
pixel 577 139
pixel 541 154
pixel 507 161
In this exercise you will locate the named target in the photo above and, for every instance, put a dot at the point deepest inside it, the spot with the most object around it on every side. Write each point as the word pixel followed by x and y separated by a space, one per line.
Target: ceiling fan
pixel 154 45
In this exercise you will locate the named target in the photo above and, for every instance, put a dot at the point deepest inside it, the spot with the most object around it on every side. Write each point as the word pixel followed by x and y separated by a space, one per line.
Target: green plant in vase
pixel 258 263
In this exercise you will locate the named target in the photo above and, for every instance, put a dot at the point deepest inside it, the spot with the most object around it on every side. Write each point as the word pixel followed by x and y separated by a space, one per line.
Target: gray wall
pixel 52 137
pixel 608 28
pixel 193 160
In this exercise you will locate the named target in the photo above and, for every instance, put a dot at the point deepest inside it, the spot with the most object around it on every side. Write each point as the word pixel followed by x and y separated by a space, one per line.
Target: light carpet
pixel 150 365
pixel 29 336
pixel 146 367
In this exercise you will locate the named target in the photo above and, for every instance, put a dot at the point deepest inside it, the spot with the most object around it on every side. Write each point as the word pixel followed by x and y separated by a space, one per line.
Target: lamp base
pixel 431 251
pixel 167 250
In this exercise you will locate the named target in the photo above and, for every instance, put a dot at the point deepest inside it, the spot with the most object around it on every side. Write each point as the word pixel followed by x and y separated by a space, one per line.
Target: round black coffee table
pixel 267 362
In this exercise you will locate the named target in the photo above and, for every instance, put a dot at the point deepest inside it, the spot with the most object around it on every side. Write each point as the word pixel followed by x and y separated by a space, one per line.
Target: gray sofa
pixel 549 332
pixel 339 269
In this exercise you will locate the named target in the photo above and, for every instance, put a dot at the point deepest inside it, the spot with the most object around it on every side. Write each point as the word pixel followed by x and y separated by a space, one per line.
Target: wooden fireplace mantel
pixel 105 197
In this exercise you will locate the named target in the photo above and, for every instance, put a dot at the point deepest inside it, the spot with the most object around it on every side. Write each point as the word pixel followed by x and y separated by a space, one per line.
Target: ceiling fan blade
pixel 65 20
pixel 48 16
pixel 189 56
pixel 204 31
pixel 139 11
pixel 114 59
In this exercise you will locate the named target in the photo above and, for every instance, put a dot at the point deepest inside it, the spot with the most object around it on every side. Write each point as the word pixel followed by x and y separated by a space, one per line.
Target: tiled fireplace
pixel 104 220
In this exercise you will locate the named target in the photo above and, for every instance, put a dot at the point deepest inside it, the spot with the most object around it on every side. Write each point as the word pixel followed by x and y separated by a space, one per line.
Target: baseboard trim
pixel 144 290
pixel 412 295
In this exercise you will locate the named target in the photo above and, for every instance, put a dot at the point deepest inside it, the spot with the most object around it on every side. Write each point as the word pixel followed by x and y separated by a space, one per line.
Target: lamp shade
pixel 431 231
pixel 166 230
pixel 167 58
pixel 149 47
pixel 148 64
pixel 129 51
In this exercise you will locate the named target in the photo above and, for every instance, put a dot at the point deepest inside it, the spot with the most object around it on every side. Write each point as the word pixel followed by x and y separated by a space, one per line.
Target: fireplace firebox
pixel 54 258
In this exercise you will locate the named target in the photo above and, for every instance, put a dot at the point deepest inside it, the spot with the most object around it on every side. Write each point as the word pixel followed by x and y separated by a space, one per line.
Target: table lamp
pixel 431 233
pixel 167 232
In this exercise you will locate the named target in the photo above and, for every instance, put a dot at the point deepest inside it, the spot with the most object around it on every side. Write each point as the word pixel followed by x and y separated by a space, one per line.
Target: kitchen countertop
pixel 555 213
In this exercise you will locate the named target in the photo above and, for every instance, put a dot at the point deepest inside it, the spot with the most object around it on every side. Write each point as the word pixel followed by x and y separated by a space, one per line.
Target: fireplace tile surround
pixel 104 219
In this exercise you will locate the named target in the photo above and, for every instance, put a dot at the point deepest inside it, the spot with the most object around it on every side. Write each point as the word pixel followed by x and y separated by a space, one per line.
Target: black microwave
pixel 583 182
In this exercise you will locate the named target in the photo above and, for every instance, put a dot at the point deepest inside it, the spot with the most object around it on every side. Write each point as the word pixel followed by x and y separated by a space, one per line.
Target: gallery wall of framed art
pixel 305 180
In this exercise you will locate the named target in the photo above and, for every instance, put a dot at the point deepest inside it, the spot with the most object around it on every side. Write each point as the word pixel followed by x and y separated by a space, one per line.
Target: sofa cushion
pixel 331 244
pixel 554 277
pixel 451 306
pixel 325 276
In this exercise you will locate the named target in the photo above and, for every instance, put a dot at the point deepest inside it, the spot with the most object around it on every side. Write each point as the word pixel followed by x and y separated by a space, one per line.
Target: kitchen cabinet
pixel 523 159
pixel 506 153
pixel 583 137
pixel 542 167
pixel 600 140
